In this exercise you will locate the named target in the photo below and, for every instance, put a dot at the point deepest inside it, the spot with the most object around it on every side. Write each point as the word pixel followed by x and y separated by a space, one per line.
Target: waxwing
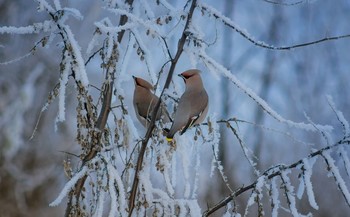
pixel 144 102
pixel 193 104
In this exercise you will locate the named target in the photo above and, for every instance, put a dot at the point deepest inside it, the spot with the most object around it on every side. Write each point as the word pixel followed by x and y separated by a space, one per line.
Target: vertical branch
pixel 148 135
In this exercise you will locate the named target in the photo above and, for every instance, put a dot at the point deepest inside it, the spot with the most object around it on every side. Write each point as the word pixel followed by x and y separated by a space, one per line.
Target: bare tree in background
pixel 114 167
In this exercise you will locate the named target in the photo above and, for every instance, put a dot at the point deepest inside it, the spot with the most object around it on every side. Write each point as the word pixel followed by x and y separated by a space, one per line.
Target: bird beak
pixel 180 75
pixel 135 79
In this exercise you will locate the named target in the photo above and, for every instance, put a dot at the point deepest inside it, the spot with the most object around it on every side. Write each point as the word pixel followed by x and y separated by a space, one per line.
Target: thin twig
pixel 229 23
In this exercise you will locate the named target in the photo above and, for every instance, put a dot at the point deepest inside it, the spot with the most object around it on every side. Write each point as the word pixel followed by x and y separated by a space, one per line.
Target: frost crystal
pixel 308 163
pixel 69 185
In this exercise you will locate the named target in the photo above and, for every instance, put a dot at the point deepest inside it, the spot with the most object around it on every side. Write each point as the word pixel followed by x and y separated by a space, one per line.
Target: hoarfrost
pixel 336 174
pixel 345 159
pixel 275 202
pixel 262 103
pixel 62 90
pixel 289 192
pixel 114 177
pixel 69 185
pixel 80 65
pixel 100 204
pixel 43 5
pixel 308 164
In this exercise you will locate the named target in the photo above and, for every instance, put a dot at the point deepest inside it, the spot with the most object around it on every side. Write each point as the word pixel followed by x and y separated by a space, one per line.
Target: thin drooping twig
pixel 285 3
pixel 262 44
pixel 148 135
pixel 270 175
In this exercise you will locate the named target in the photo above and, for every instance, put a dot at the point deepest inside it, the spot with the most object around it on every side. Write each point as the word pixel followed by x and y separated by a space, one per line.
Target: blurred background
pixel 293 82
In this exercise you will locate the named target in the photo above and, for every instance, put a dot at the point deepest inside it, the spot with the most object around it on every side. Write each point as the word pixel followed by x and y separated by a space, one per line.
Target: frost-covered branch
pixel 217 67
pixel 104 111
pixel 280 170
pixel 228 22
pixel 336 175
pixel 247 153
pixel 36 28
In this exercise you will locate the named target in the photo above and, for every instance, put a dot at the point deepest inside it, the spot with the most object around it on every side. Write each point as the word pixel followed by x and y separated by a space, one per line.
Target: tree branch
pixel 262 44
pixel 148 135
pixel 270 173
pixel 100 125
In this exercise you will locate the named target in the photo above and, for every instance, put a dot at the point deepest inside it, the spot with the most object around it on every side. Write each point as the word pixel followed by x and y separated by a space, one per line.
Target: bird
pixel 144 102
pixel 193 104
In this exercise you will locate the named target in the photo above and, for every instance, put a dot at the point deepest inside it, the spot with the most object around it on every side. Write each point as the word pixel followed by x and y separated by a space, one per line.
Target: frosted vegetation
pixel 275 141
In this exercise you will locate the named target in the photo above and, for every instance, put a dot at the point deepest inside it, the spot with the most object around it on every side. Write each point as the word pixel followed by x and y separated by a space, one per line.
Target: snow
pixel 145 183
pixel 150 25
pixel 233 25
pixel 163 160
pixel 62 90
pixel 111 29
pixel 69 185
pixel 262 103
pixel 228 210
pixel 31 29
pixel 79 66
pixel 114 178
pixel 183 150
pixel 197 170
pixel 256 193
pixel 275 202
pixel 174 170
pixel 100 204
pixel 308 164
pixel 345 158
pixel 336 174
pixel 289 192
pixel 74 12
pixel 195 210
pixel 213 138
pixel 43 5
pixel 301 188
pixel 93 43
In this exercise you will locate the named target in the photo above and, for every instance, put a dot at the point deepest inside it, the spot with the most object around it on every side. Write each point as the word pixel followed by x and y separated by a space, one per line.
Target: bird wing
pixel 198 105
pixel 190 122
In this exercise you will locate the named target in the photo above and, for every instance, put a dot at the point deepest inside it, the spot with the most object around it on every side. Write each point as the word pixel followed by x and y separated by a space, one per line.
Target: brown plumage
pixel 193 104
pixel 144 102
